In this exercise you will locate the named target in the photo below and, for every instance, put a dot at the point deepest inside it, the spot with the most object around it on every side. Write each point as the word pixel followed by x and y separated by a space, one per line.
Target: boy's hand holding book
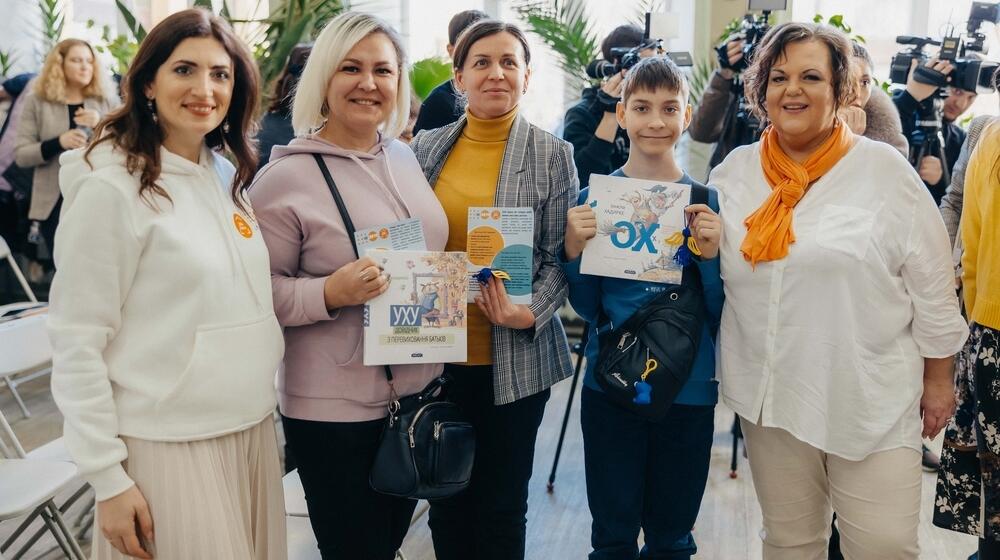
pixel 581 225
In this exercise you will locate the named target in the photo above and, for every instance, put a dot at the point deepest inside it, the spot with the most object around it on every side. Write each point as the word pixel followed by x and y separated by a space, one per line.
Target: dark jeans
pixel 643 474
pixel 486 521
pixel 351 521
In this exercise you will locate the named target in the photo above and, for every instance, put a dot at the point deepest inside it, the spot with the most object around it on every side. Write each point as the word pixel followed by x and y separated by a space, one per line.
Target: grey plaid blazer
pixel 537 172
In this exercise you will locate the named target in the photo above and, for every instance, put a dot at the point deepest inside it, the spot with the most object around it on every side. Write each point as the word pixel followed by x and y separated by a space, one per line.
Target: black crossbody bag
pixel 427 445
pixel 644 363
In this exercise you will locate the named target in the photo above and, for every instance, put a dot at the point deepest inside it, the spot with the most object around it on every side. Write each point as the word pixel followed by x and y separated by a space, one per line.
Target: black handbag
pixel 427 446
pixel 644 363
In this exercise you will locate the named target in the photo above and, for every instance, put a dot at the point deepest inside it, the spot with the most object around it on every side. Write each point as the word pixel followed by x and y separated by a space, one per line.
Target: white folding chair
pixel 6 254
pixel 28 488
pixel 25 354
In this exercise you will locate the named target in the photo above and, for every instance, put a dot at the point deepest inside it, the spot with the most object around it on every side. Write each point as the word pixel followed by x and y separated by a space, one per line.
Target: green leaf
pixel 207 4
pixel 860 39
pixel 427 74
pixel 817 18
pixel 136 28
pixel 837 21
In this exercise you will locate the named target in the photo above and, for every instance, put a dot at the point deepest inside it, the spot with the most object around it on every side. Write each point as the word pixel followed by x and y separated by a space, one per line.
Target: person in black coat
pixel 276 125
pixel 599 144
pixel 444 105
pixel 908 101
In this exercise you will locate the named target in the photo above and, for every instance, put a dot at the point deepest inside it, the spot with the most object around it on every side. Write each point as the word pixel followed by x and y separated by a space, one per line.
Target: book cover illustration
pixel 404 235
pixel 421 318
pixel 502 239
pixel 639 229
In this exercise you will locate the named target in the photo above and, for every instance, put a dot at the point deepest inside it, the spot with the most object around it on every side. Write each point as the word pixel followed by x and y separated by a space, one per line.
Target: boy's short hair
pixel 462 21
pixel 653 73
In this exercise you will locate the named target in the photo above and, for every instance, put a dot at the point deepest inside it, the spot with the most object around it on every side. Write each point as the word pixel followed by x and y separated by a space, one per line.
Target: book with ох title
pixel 639 229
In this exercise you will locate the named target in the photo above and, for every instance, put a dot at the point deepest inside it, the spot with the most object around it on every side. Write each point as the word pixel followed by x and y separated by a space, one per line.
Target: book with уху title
pixel 421 318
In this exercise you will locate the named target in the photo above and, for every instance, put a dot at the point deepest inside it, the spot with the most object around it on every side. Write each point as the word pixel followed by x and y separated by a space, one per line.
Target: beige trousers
pixel 877 499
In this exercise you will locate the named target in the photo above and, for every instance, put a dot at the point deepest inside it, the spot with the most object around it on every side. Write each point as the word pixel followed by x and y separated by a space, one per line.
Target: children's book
pixel 503 240
pixel 421 318
pixel 639 229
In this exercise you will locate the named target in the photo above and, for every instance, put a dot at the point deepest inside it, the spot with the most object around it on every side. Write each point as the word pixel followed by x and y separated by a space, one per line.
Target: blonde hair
pixel 309 111
pixel 51 82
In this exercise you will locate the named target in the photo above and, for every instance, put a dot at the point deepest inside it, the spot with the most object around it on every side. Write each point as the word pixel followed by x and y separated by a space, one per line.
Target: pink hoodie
pixel 322 376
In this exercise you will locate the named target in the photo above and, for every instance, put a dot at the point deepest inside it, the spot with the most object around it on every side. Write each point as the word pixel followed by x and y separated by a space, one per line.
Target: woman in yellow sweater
pixel 494 157
pixel 968 488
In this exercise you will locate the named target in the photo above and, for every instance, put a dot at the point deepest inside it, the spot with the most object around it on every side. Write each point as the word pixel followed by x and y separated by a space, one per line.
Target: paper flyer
pixel 639 229
pixel 421 318
pixel 502 239
pixel 404 235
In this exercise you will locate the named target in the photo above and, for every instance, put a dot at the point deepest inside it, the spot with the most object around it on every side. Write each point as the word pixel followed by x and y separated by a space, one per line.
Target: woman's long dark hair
pixel 131 127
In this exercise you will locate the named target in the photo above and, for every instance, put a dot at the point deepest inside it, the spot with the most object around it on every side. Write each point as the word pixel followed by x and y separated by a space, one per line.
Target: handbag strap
pixel 349 226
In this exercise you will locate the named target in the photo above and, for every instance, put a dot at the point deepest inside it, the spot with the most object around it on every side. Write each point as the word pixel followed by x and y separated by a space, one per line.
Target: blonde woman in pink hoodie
pixel 351 104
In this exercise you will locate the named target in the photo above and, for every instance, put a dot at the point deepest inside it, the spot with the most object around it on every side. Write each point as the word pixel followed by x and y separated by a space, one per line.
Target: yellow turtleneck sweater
pixel 469 178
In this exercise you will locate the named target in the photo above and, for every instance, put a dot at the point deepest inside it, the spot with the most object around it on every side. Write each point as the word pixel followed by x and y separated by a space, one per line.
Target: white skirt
pixel 218 499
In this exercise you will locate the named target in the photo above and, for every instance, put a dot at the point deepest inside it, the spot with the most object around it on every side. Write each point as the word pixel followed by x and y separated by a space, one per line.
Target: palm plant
pixel 563 25
pixel 53 21
pixel 6 62
pixel 271 38
pixel 293 22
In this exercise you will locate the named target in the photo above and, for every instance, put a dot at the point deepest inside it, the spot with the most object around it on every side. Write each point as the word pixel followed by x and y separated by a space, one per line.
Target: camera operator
pixel 709 118
pixel 599 145
pixel 930 168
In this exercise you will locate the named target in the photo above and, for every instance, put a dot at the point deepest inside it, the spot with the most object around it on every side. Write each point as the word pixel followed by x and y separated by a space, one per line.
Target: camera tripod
pixel 925 139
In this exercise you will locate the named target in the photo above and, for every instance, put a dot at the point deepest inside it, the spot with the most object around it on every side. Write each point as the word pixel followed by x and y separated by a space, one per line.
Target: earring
pixel 225 126
pixel 152 110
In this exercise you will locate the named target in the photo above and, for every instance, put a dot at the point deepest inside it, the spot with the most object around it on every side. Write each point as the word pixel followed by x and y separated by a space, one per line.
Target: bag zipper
pixel 413 425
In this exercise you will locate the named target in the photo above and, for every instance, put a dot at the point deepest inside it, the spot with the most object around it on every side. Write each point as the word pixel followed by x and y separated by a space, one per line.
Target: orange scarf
pixel 769 228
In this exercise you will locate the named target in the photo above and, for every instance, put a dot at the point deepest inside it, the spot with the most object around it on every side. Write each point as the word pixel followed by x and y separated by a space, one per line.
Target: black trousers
pixel 351 521
pixel 487 520
pixel 48 229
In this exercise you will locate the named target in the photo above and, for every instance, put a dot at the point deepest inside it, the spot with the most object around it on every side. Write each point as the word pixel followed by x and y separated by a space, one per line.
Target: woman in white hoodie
pixel 164 335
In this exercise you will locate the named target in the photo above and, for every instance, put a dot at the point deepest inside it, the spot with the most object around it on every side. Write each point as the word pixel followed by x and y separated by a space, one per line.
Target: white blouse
pixel 828 343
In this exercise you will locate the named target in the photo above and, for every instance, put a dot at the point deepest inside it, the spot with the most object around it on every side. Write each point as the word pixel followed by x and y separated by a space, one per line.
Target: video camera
pixel 658 28
pixel 970 73
pixel 752 30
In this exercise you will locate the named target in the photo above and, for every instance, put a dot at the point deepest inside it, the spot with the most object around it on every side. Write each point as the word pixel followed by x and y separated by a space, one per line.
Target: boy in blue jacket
pixel 641 473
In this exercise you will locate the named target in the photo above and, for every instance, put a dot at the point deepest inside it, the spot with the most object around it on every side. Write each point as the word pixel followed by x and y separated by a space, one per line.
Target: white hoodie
pixel 161 320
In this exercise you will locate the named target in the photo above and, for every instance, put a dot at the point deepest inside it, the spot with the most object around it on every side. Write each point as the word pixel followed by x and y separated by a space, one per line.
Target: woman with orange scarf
pixel 841 319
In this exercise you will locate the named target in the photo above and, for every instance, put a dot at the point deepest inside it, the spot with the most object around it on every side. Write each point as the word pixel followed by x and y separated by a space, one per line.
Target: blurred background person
pixel 955 104
pixel 968 487
pixel 599 144
pixel 276 125
pixel 870 112
pixel 444 105
pixel 68 99
pixel 15 182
